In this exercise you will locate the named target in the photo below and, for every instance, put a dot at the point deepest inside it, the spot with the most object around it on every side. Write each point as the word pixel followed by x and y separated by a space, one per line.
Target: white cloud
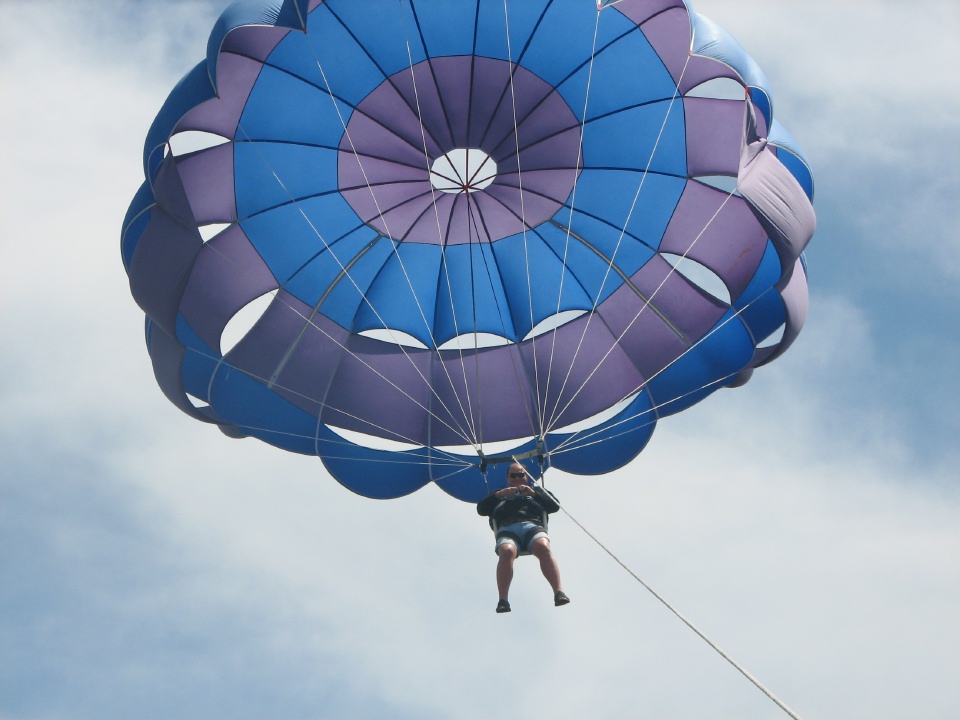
pixel 793 520
pixel 865 87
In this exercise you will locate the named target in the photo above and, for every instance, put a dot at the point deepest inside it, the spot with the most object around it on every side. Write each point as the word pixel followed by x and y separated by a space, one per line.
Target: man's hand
pixel 516 491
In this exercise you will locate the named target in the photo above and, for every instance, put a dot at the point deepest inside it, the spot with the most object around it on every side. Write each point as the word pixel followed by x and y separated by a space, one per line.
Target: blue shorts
pixel 520 534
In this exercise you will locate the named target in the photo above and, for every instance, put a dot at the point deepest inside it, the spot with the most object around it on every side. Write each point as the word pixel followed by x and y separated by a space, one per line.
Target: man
pixel 518 515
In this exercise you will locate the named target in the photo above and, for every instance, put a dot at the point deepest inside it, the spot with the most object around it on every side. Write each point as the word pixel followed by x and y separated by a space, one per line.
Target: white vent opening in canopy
pixel 463 170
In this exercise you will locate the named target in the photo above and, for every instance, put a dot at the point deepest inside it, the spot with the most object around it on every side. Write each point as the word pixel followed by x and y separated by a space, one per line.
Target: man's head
pixel 517 475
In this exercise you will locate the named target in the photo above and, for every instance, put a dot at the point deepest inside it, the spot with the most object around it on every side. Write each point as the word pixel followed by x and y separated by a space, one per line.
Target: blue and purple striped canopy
pixel 474 230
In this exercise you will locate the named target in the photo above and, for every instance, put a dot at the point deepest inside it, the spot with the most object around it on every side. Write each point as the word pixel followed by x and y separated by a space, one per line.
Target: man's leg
pixel 508 553
pixel 548 563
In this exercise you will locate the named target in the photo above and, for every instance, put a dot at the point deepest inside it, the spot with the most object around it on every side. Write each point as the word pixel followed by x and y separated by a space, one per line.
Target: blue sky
pixel 809 522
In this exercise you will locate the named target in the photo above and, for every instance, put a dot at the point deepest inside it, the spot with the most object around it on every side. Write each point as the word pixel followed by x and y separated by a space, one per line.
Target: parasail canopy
pixel 416 237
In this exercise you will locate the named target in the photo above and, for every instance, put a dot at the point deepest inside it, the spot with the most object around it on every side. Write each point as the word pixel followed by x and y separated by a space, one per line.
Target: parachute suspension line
pixel 473 234
pixel 450 293
pixel 472 230
pixel 345 270
pixel 523 218
pixel 577 440
pixel 647 303
pixel 221 361
pixel 612 259
pixel 450 458
pixel 308 320
pixel 515 357
pixel 549 421
pixel 394 246
pixel 743 671
pixel 409 458
pixel 574 441
pixel 467 412
pixel 646 381
pixel 473 214
pixel 672 270
pixel 490 261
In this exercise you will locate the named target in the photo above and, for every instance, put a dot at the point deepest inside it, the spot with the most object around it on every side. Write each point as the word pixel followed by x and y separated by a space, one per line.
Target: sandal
pixel 503 606
pixel 560 598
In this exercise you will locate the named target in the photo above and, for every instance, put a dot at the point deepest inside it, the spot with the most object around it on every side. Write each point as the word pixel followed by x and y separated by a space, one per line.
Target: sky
pixel 808 523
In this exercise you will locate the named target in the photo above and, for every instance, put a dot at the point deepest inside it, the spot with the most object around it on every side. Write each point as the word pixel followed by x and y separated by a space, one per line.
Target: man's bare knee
pixel 540 548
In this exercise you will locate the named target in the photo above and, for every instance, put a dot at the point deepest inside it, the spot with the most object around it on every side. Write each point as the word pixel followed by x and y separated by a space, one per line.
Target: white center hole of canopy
pixel 463 170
